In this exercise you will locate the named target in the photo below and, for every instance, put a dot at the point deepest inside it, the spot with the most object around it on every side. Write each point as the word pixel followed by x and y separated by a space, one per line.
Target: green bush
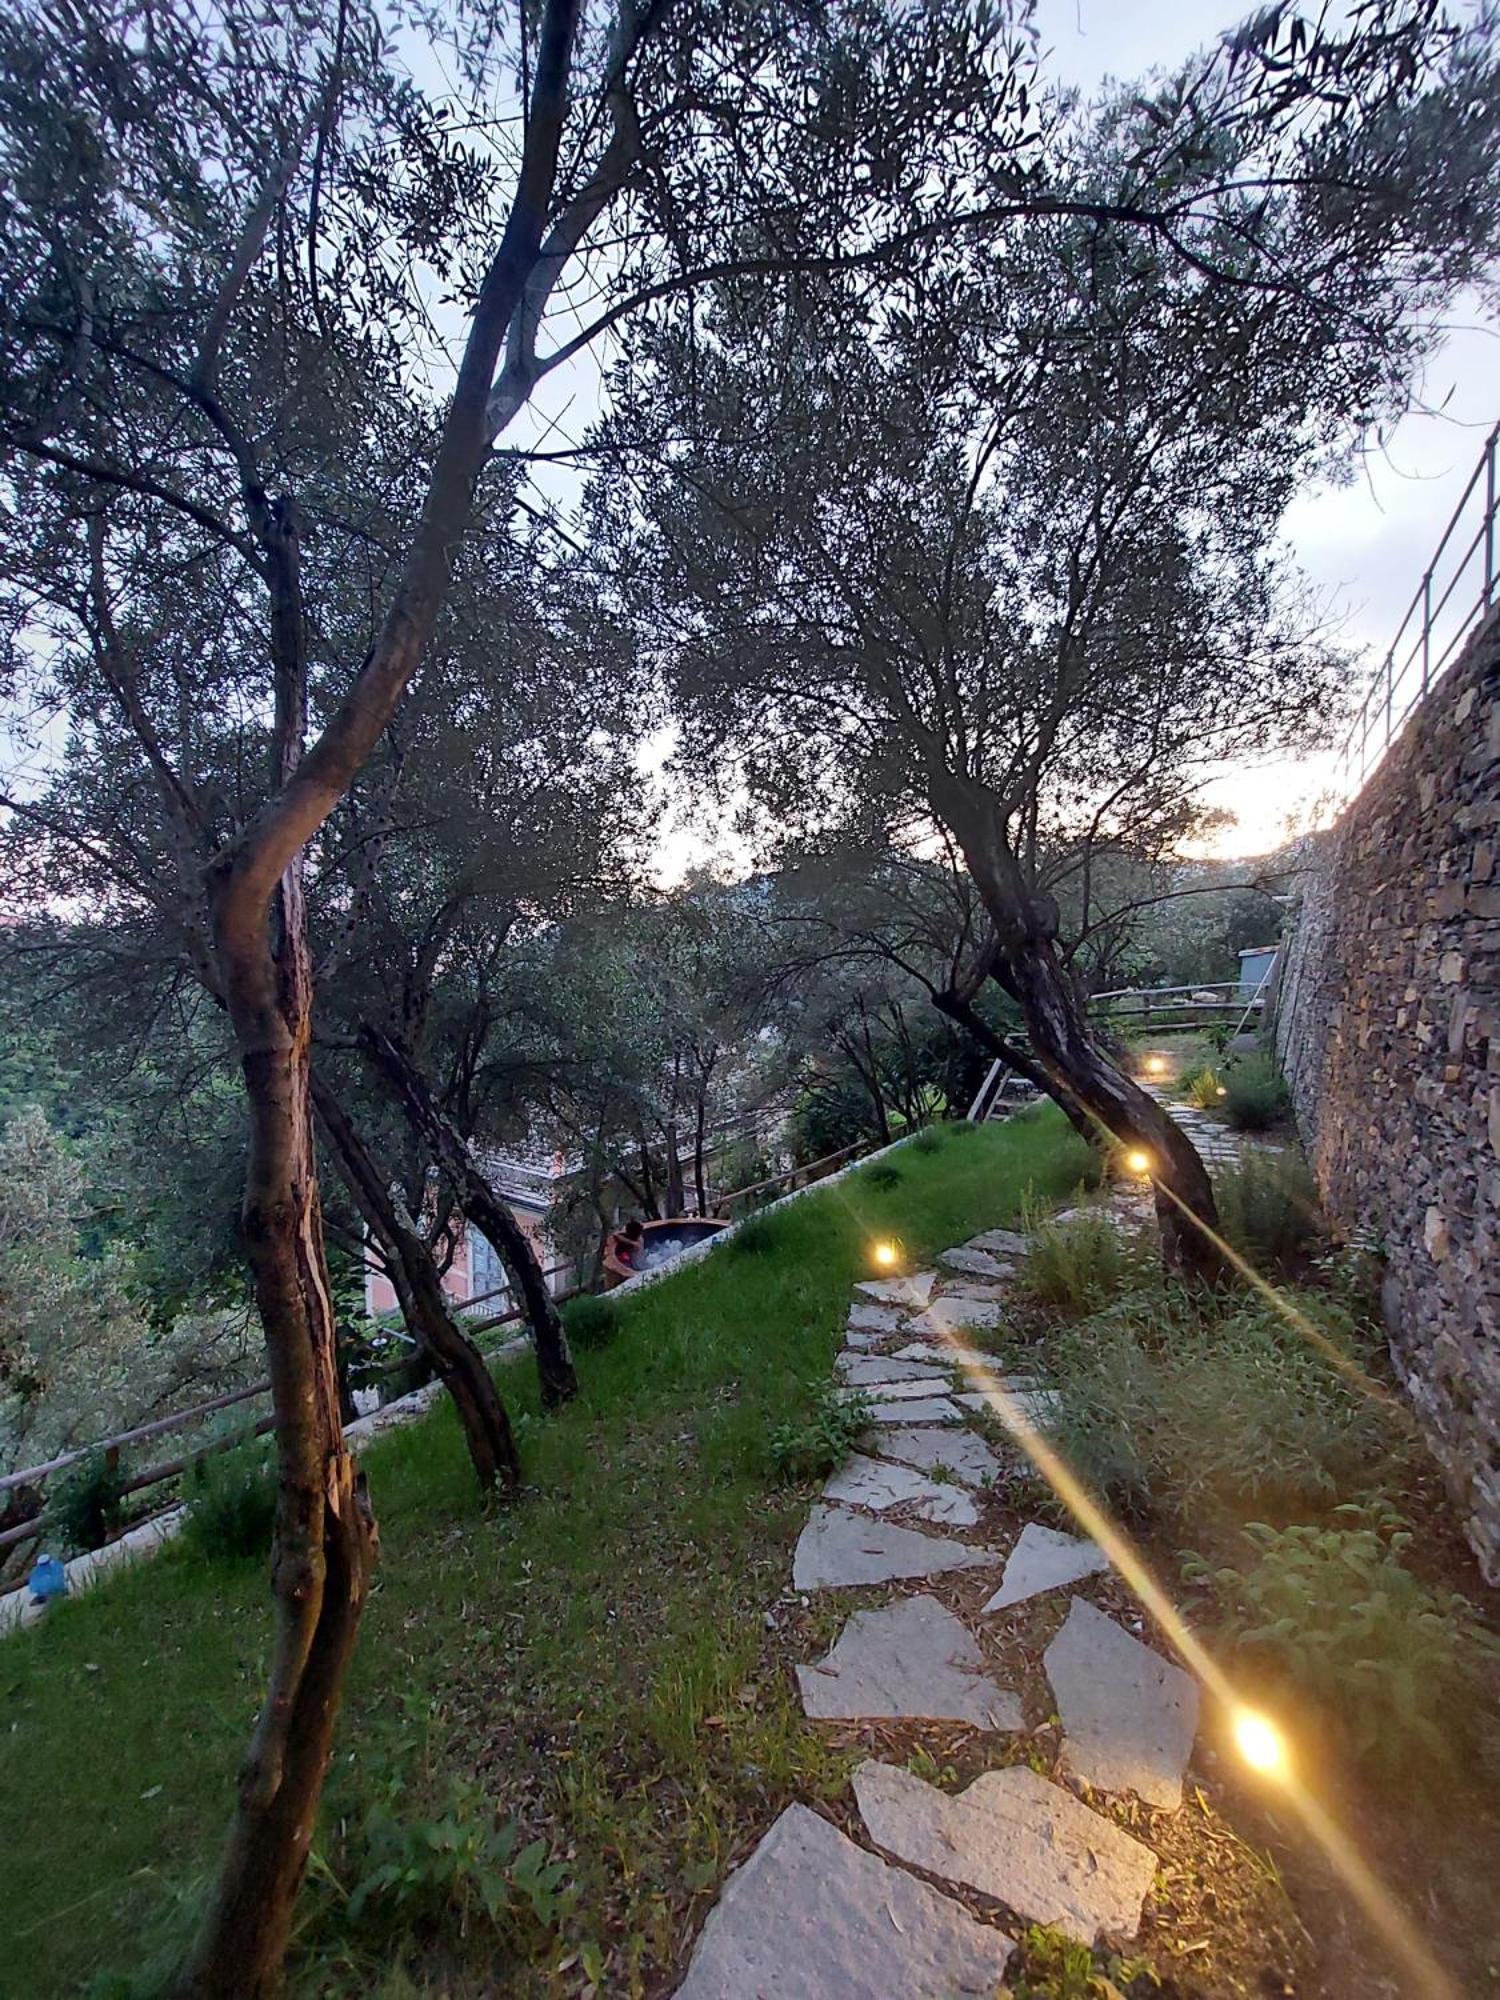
pixel 882 1175
pixel 590 1322
pixel 1186 1408
pixel 1083 1164
pixel 1079 1266
pixel 813 1449
pixel 1268 1207
pixel 88 1504
pixel 930 1138
pixel 1255 1096
pixel 1330 1617
pixel 231 1502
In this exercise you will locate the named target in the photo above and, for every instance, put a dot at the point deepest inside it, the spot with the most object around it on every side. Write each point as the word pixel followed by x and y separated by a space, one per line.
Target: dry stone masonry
pixel 1388 1027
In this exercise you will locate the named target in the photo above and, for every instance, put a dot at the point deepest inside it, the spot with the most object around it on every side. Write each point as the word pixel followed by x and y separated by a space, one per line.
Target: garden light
pixel 1156 1065
pixel 1138 1160
pixel 885 1254
pixel 1260 1743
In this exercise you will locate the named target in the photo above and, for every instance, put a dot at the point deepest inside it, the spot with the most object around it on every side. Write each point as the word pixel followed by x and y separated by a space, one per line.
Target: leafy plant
pixel 819 1446
pixel 231 1503
pixel 590 1322
pixel 883 1175
pixel 1332 1617
pixel 1056 1967
pixel 1078 1266
pixel 929 1139
pixel 89 1503
pixel 459 1864
pixel 1268 1207
pixel 1204 1088
pixel 1255 1097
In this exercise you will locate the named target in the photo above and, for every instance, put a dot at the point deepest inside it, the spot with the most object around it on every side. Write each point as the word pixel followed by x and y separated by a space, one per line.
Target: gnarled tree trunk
pixel 325 1540
pixel 1029 966
pixel 419 1291
pixel 483 1209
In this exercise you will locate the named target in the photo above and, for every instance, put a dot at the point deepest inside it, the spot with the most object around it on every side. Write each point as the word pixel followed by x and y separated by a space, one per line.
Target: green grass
pixel 596 1657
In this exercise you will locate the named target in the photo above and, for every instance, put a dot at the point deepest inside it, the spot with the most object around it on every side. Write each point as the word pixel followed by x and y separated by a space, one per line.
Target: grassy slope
pixel 597 1656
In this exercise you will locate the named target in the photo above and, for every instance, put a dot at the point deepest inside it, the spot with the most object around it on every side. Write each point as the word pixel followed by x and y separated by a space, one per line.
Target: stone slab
pixel 910 1293
pixel 940 1354
pixel 961 1453
pixel 910 1659
pixel 957 1309
pixel 872 1483
pixel 1032 1406
pixel 928 1410
pixel 838 1549
pixel 810 1916
pixel 863 1343
pixel 1129 1717
pixel 924 1384
pixel 1015 1836
pixel 1000 1242
pixel 864 1318
pixel 870 1369
pixel 975 1263
pixel 1043 1559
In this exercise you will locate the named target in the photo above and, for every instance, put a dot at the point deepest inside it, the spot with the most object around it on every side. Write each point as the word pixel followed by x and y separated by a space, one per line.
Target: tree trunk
pixel 484 1210
pixel 325 1540
pixel 1029 967
pixel 676 1191
pixel 1118 1106
pixel 419 1291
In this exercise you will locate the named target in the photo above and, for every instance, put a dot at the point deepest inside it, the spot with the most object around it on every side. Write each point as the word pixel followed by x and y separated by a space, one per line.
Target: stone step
pixel 838 1550
pixel 1129 1717
pixel 933 1449
pixel 811 1916
pixel 1018 1837
pixel 872 1483
pixel 909 1660
pixel 1043 1559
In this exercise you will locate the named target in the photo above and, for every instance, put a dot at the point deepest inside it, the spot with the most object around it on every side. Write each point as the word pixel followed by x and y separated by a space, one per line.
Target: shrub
pixel 1254 1095
pixel 1331 1617
pixel 882 1175
pixel 231 1503
pixel 89 1504
pixel 1204 1088
pixel 590 1322
pixel 1079 1266
pixel 1268 1207
pixel 929 1139
pixel 1179 1407
pixel 813 1449
pixel 1082 1165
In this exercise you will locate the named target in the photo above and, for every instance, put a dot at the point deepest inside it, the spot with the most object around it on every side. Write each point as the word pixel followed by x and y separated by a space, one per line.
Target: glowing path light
pixel 1261 1743
pixel 885 1254
pixel 1138 1161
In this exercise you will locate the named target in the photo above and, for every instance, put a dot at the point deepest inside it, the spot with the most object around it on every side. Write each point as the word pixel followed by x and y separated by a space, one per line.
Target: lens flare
pixel 1138 1160
pixel 1260 1743
pixel 885 1254
pixel 1156 1065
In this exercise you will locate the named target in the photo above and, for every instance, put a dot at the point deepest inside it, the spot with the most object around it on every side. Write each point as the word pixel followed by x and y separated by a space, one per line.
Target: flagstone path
pixel 812 1915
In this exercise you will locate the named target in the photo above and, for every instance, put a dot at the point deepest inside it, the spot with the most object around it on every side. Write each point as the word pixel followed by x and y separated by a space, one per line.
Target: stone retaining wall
pixel 1388 1028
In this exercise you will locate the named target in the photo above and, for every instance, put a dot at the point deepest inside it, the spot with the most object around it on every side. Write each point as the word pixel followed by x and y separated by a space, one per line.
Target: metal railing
pixel 1459 586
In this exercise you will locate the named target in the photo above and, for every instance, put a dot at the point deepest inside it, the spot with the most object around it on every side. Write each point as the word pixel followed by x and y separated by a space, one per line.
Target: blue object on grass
pixel 48 1580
